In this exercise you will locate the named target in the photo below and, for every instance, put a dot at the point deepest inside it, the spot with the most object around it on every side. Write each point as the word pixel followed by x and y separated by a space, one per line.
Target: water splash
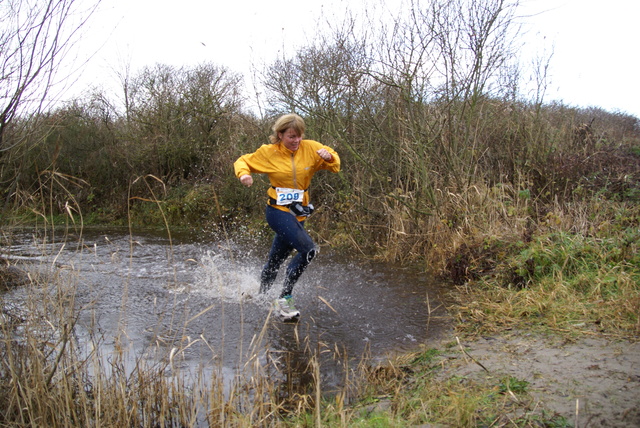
pixel 222 275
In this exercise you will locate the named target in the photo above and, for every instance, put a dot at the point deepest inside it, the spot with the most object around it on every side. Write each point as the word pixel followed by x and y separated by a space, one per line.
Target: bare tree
pixel 179 117
pixel 35 36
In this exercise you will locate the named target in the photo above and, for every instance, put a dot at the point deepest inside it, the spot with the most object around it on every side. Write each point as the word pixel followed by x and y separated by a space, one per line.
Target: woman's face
pixel 291 139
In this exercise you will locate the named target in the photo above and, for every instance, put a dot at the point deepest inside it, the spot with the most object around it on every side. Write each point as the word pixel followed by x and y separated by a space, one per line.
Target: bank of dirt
pixel 591 381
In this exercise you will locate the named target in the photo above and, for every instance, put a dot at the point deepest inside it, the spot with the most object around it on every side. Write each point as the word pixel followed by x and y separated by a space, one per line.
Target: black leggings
pixel 290 235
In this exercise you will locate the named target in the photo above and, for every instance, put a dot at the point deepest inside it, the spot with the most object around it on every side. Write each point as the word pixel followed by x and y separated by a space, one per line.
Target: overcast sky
pixel 594 42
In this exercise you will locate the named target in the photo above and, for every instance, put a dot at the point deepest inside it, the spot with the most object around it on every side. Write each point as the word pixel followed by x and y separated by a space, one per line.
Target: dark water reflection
pixel 195 302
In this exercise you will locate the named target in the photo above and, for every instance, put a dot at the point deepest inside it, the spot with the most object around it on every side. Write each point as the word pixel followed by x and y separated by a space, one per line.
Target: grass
pixel 567 267
pixel 563 278
pixel 578 273
pixel 423 397
pixel 48 378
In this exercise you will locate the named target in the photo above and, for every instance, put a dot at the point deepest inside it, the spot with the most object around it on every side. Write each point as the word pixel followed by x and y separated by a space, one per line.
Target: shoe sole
pixel 290 318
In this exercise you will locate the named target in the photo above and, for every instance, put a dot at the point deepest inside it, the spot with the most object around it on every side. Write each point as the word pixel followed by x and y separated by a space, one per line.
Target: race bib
pixel 287 196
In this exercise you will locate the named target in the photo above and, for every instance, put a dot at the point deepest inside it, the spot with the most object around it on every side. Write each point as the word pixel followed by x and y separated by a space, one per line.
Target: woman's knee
pixel 312 253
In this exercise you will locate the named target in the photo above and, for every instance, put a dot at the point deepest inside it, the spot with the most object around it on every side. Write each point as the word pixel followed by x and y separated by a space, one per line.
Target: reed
pixel 529 210
pixel 578 273
pixel 55 371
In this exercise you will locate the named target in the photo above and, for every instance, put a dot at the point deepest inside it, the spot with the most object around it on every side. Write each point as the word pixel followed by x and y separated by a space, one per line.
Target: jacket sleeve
pixel 251 162
pixel 334 164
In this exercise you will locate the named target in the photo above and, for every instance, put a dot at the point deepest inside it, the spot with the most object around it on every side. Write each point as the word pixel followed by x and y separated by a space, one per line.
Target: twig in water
pixel 327 303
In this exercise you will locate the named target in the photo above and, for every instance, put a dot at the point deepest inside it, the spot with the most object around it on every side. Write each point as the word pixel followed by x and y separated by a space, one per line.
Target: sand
pixel 590 381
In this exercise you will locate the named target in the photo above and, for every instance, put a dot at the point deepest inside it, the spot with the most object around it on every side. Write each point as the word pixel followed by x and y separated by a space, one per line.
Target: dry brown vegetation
pixel 530 209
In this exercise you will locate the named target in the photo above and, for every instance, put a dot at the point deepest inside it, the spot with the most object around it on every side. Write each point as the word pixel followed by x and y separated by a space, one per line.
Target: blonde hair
pixel 285 122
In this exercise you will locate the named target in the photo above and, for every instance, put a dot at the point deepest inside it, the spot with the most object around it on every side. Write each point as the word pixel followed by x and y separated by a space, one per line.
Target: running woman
pixel 290 162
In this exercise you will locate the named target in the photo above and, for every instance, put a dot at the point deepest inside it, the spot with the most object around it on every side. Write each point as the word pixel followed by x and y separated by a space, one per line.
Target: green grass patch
pixel 565 281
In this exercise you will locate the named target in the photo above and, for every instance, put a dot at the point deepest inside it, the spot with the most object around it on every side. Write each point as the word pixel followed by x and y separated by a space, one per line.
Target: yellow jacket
pixel 285 168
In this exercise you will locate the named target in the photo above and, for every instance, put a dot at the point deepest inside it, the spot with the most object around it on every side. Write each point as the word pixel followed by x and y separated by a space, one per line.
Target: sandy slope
pixel 592 381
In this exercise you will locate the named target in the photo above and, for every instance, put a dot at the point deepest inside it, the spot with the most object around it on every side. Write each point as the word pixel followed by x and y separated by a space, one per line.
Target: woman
pixel 290 163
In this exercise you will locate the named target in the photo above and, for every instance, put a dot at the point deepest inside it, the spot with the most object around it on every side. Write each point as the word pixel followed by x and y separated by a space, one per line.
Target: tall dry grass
pixel 56 372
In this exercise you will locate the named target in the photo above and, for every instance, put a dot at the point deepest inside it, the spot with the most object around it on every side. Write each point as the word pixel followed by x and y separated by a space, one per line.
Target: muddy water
pixel 194 301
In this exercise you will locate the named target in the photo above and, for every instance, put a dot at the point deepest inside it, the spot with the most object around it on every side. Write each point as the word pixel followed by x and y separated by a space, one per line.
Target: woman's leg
pixel 280 250
pixel 295 269
pixel 290 234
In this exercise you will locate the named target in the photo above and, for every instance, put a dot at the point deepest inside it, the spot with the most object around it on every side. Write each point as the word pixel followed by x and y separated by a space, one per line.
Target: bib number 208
pixel 287 196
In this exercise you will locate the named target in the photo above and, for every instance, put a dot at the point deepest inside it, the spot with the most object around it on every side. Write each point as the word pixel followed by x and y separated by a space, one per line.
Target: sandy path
pixel 592 382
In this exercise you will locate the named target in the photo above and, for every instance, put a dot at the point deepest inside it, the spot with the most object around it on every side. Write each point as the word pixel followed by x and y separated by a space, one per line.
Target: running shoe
pixel 286 308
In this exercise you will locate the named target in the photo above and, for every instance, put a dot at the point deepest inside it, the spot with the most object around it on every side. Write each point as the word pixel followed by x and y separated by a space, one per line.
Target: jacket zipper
pixel 293 169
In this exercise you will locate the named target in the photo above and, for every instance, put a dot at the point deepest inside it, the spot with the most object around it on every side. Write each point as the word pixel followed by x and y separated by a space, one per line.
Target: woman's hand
pixel 247 180
pixel 324 154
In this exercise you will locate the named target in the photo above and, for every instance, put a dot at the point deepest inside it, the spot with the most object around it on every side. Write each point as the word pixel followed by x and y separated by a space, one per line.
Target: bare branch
pixel 35 36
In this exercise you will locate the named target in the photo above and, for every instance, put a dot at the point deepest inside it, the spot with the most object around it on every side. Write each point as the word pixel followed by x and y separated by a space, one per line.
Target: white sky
pixel 594 42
